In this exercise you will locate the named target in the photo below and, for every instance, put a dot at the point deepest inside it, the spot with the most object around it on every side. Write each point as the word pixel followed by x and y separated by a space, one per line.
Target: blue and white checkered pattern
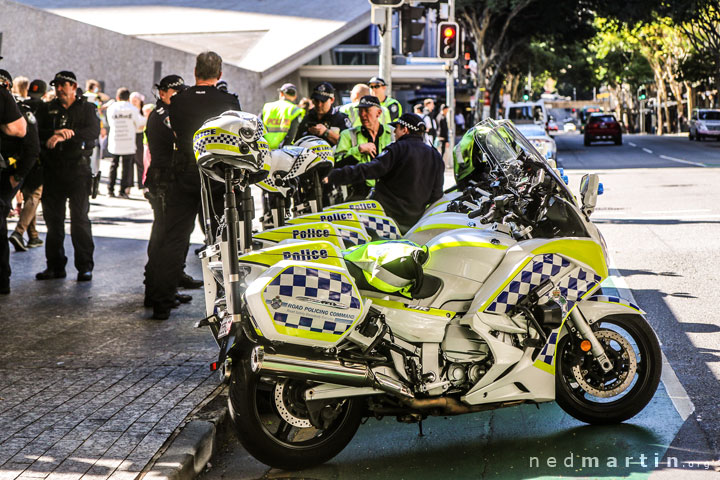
pixel 351 238
pixel 295 282
pixel 384 227
pixel 575 285
pixel 539 269
pixel 548 352
pixel 611 299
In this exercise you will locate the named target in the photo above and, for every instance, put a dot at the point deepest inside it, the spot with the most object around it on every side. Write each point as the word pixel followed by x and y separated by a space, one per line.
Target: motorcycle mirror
pixel 589 192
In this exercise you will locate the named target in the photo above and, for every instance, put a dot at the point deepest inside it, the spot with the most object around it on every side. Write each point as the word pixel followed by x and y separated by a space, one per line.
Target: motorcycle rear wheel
pixel 588 394
pixel 271 422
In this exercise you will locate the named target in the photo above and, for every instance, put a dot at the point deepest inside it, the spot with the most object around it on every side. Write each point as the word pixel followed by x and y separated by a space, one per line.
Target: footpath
pixel 90 388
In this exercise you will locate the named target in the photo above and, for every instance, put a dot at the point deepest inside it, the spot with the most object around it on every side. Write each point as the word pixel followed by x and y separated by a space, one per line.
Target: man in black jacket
pixel 68 127
pixel 12 124
pixel 188 111
pixel 409 173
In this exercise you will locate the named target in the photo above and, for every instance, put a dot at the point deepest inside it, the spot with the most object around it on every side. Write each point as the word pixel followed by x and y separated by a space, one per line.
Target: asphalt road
pixel 660 216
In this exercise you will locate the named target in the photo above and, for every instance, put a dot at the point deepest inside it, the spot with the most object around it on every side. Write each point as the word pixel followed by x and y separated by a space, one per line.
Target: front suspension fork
pixel 596 347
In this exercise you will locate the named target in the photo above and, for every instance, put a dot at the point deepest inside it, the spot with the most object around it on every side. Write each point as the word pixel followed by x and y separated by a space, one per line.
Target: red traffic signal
pixel 448 40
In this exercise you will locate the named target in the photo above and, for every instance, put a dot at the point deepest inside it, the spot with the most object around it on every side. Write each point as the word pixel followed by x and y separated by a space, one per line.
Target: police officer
pixel 409 173
pixel 22 154
pixel 379 89
pixel 363 143
pixel 282 118
pixel 12 124
pixel 188 110
pixel 161 143
pixel 324 120
pixel 68 127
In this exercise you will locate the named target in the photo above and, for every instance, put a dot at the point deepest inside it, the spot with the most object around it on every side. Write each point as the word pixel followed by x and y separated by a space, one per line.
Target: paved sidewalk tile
pixel 89 387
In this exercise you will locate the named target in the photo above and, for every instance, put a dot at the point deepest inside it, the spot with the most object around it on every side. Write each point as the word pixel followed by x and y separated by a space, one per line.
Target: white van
pixel 527 112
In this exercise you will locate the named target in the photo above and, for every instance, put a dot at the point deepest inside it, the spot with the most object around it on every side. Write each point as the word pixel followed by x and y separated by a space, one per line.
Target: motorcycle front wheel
pixel 590 395
pixel 272 423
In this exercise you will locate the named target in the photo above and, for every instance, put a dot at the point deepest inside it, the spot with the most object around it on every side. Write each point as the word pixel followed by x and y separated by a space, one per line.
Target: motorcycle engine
pixel 467 355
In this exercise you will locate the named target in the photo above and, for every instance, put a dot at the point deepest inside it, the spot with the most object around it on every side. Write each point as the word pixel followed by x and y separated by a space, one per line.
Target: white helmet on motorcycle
pixel 319 155
pixel 233 139
pixel 280 162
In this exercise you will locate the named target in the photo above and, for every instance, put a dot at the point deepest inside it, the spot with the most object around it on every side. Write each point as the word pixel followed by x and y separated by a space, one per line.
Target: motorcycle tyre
pixel 258 442
pixel 635 400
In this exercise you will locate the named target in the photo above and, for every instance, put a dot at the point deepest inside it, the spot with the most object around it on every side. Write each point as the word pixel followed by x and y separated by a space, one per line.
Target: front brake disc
pixel 626 357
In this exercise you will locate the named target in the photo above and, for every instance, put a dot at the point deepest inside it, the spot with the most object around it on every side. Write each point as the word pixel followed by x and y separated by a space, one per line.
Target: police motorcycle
pixel 313 340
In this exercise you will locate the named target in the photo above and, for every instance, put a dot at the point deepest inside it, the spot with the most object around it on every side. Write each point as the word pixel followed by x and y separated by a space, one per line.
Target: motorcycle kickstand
pixel 421 434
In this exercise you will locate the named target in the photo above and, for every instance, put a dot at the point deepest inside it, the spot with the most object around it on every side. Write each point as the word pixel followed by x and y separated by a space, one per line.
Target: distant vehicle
pixel 586 111
pixel 602 126
pixel 527 113
pixel 551 126
pixel 569 126
pixel 704 123
pixel 542 142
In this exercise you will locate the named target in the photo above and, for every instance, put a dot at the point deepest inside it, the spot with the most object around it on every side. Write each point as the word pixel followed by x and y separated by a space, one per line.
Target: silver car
pixel 543 142
pixel 704 123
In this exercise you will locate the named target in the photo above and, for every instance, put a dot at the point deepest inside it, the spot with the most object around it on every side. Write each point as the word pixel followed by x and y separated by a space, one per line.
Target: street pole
pixel 386 50
pixel 450 84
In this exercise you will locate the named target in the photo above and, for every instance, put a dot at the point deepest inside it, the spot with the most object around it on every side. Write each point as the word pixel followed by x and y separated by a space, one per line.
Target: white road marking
pixel 647 150
pixel 680 160
pixel 678 211
pixel 632 144
pixel 677 393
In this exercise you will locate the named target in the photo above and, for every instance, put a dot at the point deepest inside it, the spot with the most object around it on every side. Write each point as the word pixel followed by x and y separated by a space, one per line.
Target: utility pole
pixel 386 47
pixel 450 84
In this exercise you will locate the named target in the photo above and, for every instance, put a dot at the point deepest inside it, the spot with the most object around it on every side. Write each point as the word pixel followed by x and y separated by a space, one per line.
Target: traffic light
pixel 642 95
pixel 386 3
pixel 526 94
pixel 411 29
pixel 448 40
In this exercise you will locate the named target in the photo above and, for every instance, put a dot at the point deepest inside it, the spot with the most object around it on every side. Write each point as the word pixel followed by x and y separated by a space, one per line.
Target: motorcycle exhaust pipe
pixel 326 371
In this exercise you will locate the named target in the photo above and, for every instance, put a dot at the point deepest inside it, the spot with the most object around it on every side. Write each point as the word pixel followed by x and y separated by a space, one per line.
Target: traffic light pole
pixel 450 84
pixel 386 50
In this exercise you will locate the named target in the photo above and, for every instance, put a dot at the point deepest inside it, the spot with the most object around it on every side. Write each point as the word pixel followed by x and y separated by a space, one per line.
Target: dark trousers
pixel 126 178
pixel 182 203
pixel 68 185
pixel 155 243
pixel 6 195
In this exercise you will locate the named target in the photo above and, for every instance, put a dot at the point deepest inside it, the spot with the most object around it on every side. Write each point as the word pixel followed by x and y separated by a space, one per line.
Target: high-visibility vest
pixel 277 117
pixel 393 109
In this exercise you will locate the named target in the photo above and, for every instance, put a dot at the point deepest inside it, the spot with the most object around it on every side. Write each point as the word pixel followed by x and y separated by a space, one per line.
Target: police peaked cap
pixel 175 82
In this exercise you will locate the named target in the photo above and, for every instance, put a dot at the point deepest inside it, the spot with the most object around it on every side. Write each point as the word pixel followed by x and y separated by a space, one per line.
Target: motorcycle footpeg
pixel 533 343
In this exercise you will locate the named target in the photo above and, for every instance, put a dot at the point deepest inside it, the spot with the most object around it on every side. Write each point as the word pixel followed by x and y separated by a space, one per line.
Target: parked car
pixel 602 126
pixel 540 139
pixel 704 123
pixel 551 126
pixel 569 125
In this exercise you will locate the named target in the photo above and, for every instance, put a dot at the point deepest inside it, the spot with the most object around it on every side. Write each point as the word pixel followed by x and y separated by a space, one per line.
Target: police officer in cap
pixel 324 120
pixel 379 89
pixel 14 128
pixel 161 143
pixel 188 111
pixel 409 173
pixel 69 127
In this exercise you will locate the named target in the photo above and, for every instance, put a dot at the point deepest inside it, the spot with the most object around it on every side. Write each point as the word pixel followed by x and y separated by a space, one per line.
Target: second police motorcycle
pixel 500 310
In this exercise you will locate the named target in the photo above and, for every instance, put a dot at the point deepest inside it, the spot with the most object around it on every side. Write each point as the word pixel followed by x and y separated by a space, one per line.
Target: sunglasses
pixel 376 86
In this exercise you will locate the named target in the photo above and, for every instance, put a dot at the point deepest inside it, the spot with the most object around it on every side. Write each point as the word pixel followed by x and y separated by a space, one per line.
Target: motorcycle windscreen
pixel 321 252
pixel 304 304
pixel 380 227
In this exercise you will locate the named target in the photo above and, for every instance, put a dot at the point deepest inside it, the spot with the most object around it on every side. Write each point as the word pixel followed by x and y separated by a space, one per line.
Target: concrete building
pixel 134 43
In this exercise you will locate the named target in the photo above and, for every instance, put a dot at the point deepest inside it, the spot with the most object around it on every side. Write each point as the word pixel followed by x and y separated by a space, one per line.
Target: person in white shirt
pixel 124 120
